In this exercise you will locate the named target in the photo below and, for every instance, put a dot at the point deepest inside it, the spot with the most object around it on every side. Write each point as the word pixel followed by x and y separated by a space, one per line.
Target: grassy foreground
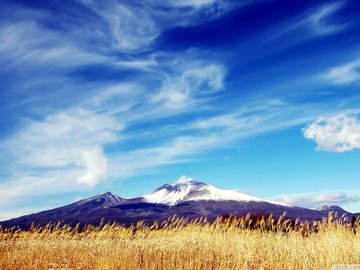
pixel 228 243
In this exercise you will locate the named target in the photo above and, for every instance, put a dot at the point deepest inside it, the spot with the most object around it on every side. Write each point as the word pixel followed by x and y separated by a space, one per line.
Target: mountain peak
pixel 106 199
pixel 187 189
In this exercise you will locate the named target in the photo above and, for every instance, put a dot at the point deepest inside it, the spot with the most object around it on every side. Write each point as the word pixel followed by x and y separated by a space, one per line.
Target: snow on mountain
pixel 187 189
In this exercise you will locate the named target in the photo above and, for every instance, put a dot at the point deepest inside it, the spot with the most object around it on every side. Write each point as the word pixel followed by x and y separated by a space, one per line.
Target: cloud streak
pixel 344 74
pixel 208 134
pixel 315 200
pixel 314 22
pixel 319 20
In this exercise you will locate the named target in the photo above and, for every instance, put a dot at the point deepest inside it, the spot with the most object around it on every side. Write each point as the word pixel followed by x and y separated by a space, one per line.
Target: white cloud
pixel 344 74
pixel 184 179
pixel 338 133
pixel 66 140
pixel 315 200
pixel 95 166
pixel 197 82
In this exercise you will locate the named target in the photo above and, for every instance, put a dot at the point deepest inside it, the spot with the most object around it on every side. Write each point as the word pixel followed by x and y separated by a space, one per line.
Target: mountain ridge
pixel 186 199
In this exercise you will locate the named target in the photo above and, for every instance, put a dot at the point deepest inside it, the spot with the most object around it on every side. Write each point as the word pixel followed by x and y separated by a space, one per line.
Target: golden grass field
pixel 228 243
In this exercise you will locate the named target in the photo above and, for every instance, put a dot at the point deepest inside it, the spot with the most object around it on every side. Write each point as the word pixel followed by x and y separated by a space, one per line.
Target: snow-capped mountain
pixel 186 198
pixel 187 189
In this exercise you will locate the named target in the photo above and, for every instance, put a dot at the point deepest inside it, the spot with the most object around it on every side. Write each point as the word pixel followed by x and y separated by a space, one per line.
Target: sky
pixel 259 96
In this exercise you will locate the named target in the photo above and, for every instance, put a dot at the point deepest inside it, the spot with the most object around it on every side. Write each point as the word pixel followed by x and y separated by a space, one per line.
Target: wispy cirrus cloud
pixel 26 46
pixel 148 160
pixel 343 74
pixel 339 133
pixel 184 142
pixel 320 20
pixel 313 22
pixel 190 85
pixel 123 29
pixel 192 12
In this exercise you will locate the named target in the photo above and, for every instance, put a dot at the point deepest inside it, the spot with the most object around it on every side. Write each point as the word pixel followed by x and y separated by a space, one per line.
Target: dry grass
pixel 228 243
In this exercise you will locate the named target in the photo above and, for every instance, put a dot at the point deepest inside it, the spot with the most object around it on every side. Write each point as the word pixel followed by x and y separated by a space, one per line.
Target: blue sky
pixel 124 96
